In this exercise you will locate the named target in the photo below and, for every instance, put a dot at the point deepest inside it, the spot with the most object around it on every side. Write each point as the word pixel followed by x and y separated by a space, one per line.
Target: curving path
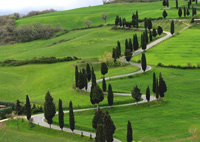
pixel 39 119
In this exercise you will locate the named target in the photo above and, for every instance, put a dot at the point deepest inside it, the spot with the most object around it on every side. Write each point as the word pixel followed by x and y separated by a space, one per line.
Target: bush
pixel 8 104
pixel 4 112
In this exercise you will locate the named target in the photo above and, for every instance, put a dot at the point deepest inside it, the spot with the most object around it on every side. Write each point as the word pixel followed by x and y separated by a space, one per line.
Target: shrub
pixel 8 104
pixel 4 112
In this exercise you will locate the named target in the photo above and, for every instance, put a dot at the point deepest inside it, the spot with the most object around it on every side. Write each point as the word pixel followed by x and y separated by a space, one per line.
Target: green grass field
pixel 169 121
pixel 75 18
pixel 178 50
pixel 35 134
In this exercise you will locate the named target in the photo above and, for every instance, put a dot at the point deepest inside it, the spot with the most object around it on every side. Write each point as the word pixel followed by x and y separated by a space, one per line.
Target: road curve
pixel 39 119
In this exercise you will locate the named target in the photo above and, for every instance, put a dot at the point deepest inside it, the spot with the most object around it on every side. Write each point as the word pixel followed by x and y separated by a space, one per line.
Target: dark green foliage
pixel 109 127
pixel 71 117
pixel 154 82
pixel 146 38
pixel 143 41
pixel 104 85
pixel 160 30
pixel 18 108
pixel 94 82
pixel 120 21
pixel 98 118
pixel 172 27
pixel 128 55
pixel 81 80
pixel 123 22
pixel 126 44
pixel 135 42
pixel 49 108
pixel 4 112
pixel 8 104
pixel 154 33
pixel 184 11
pixel 192 20
pixel 76 76
pixel 194 11
pixel 97 95
pixel 164 2
pixel 188 5
pixel 148 94
pixel 110 95
pixel 145 23
pixel 100 135
pixel 130 45
pixel 162 86
pixel 150 36
pixel 167 3
pixel 196 1
pixel 104 68
pixel 129 132
pixel 136 94
pixel 143 62
pixel 149 22
pixel 89 74
pixel 176 4
pixel 164 14
pixel 179 12
pixel 157 89
pixel 28 108
pixel 86 81
pixel 118 49
pixel 136 15
pixel 60 114
pixel 114 54
pixel 117 20
pixel 188 12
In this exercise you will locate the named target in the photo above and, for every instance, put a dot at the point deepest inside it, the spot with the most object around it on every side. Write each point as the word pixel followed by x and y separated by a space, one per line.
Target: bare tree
pixel 104 17
pixel 88 23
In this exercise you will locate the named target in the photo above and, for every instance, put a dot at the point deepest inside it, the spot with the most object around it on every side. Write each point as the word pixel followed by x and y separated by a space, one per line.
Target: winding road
pixel 39 119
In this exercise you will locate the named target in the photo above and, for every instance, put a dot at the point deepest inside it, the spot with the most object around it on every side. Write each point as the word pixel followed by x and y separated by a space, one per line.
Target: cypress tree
pixel 176 4
pixel 128 55
pixel 172 27
pixel 117 20
pixel 149 24
pixel 71 117
pixel 167 3
pixel 146 36
pixel 76 76
pixel 136 24
pixel 143 42
pixel 110 95
pixel 98 118
pixel 130 45
pixel 28 108
pixel 144 63
pixel 164 2
pixel 164 14
pixel 179 12
pixel 94 82
pixel 104 68
pixel 86 82
pixel 188 12
pixel 129 132
pixel 154 82
pixel 162 86
pixel 104 85
pixel 49 108
pixel 148 94
pixel 109 127
pixel 100 135
pixel 114 55
pixel 81 81
pixel 60 114
pixel 88 72
pixel 145 23
pixel 18 108
pixel 126 44
pixel 157 89
pixel 136 15
pixel 119 48
pixel 154 33
pixel 136 94
pixel 97 95
pixel 160 30
pixel 188 5
pixel 136 44
pixel 120 21
pixel 184 11
pixel 150 36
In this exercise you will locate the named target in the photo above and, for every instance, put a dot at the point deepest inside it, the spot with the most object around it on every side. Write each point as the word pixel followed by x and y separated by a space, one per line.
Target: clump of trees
pixel 34 13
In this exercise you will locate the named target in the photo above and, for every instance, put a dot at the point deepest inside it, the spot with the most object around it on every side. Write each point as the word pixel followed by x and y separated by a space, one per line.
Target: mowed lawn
pixel 76 18
pixel 169 121
pixel 36 80
pixel 82 43
pixel 178 50
pixel 9 133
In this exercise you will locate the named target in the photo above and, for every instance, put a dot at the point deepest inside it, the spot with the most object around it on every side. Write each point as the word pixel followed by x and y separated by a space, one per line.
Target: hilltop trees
pixel 110 95
pixel 49 109
pixel 104 68
pixel 164 14
pixel 28 108
pixel 172 27
pixel 129 136
pixel 143 62
pixel 60 114
pixel 71 117
pixel 136 94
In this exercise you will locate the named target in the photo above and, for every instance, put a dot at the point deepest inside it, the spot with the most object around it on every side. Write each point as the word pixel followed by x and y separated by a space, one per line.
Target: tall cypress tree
pixel 60 114
pixel 104 68
pixel 154 82
pixel 150 36
pixel 188 12
pixel 94 82
pixel 184 11
pixel 98 118
pixel 88 72
pixel 172 27
pixel 136 15
pixel 154 33
pixel 104 85
pixel 28 108
pixel 165 14
pixel 128 55
pixel 160 30
pixel 76 76
pixel 167 3
pixel 71 117
pixel 49 108
pixel 176 4
pixel 81 80
pixel 126 44
pixel 97 95
pixel 130 45
pixel 148 94
pixel 100 135
pixel 145 23
pixel 129 132
pixel 136 44
pixel 196 1
pixel 110 95
pixel 146 36
pixel 179 12
pixel 157 89
pixel 109 127
pixel 144 63
pixel 119 48
pixel 162 86
pixel 149 24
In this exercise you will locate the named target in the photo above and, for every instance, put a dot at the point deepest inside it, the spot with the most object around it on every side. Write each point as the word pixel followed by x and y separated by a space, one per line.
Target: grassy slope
pixel 178 50
pixel 36 80
pixel 75 18
pixel 36 134
pixel 83 44
pixel 167 122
